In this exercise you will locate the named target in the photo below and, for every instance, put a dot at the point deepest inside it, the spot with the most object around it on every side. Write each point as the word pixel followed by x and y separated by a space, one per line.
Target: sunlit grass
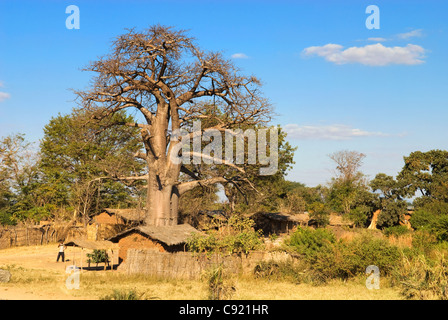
pixel 32 277
pixel 113 285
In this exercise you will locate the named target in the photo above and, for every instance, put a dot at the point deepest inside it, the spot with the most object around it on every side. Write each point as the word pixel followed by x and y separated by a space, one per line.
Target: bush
pixel 423 278
pixel 320 214
pixel 423 241
pixel 280 270
pixel 219 285
pixel 422 220
pixel 437 224
pixel 396 231
pixel 98 256
pixel 126 295
pixel 367 250
pixel 237 237
pixel 310 243
pixel 7 219
pixel 331 259
pixel 392 213
pixel 359 215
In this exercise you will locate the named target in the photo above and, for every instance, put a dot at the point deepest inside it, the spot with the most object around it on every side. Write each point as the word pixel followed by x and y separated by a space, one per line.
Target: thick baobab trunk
pixel 160 211
pixel 162 198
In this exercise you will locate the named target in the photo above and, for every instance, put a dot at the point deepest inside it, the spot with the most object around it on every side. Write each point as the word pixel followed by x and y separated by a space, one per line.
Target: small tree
pixel 348 182
pixel 80 161
pixel 98 256
pixel 320 214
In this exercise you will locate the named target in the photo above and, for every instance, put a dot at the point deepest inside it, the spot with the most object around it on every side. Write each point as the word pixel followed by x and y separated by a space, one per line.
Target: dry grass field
pixel 37 276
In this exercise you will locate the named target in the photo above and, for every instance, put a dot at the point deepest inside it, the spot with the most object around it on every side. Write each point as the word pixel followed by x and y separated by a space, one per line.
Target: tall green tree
pixel 263 191
pixel 349 182
pixel 19 179
pixel 425 174
pixel 82 161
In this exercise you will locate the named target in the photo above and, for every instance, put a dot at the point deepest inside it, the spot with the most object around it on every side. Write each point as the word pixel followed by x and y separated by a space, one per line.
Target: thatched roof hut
pixel 127 215
pixel 275 222
pixel 337 220
pixel 109 222
pixel 94 245
pixel 160 238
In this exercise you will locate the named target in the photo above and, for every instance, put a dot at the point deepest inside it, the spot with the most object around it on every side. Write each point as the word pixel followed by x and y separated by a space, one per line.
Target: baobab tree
pixel 163 75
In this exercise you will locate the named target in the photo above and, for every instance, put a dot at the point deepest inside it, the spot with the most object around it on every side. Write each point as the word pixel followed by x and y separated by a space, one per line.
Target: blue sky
pixel 335 84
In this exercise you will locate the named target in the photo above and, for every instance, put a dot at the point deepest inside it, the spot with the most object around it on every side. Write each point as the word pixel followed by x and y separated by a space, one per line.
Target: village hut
pixel 159 238
pixel 337 220
pixel 110 247
pixel 120 216
pixel 109 222
pixel 277 223
pixel 211 219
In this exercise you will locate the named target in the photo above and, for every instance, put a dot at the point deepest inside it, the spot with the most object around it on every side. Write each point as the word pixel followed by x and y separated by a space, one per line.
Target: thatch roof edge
pixel 169 235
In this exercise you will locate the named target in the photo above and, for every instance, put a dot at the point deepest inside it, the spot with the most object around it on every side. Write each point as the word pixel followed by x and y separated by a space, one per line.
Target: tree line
pixel 75 171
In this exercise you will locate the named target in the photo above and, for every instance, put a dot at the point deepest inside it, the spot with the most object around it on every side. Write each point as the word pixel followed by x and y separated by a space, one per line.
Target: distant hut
pixel 160 238
pixel 112 221
pixel 277 223
pixel 211 219
pixel 108 246
pixel 120 216
pixel 337 220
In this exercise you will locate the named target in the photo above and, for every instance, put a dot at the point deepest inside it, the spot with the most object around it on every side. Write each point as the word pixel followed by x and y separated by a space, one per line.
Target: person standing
pixel 61 253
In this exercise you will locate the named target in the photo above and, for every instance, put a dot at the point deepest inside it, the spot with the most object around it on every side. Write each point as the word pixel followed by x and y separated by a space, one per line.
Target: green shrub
pixel 7 219
pixel 320 214
pixel 359 215
pixel 422 220
pixel 219 284
pixel 98 256
pixel 237 237
pixel 423 241
pixel 310 243
pixel 423 278
pixel 126 295
pixel 367 250
pixel 437 224
pixel 280 270
pixel 392 213
pixel 440 228
pixel 396 231
pixel 331 259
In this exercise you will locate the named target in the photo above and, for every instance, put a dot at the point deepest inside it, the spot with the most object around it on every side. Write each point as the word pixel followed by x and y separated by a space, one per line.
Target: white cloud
pixel 371 55
pixel 328 132
pixel 3 95
pixel 410 34
pixel 378 39
pixel 239 56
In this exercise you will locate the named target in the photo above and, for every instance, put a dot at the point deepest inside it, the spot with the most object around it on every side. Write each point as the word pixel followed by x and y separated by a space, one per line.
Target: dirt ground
pixel 36 258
